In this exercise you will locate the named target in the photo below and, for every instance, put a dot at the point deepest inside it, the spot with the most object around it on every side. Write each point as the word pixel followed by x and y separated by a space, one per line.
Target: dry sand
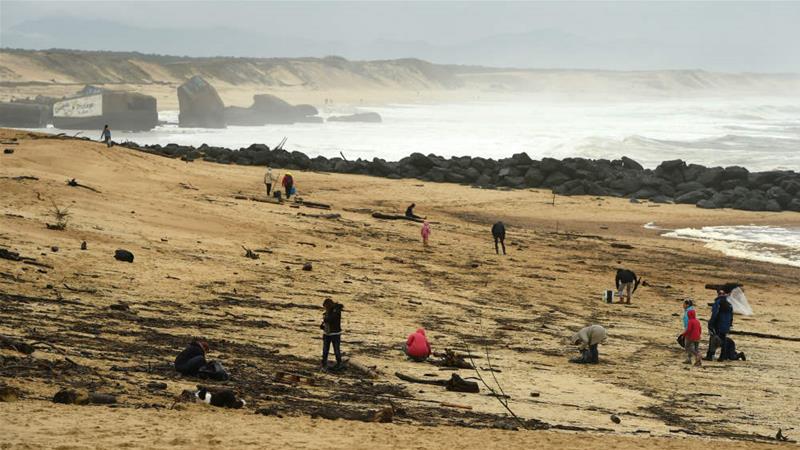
pixel 186 228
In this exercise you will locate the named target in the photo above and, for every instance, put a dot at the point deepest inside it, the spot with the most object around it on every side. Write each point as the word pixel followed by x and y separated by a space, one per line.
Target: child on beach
pixel 426 232
pixel 691 337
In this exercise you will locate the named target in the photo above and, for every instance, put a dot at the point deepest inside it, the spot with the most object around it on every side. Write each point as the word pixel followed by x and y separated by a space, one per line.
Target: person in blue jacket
pixel 719 325
pixel 688 305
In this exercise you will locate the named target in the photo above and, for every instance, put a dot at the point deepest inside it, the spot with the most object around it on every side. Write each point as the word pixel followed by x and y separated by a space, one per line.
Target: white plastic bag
pixel 739 302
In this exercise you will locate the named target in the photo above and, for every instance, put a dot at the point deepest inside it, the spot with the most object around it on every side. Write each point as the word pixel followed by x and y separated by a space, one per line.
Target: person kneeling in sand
pixel 417 346
pixel 691 336
pixel 192 358
pixel 587 341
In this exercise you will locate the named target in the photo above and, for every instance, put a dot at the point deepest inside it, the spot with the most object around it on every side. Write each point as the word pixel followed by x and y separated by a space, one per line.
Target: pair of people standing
pixel 287 183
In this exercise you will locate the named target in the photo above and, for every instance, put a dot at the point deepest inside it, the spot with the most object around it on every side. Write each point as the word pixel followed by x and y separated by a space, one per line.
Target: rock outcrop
pixel 23 115
pixel 672 181
pixel 200 105
pixel 269 109
pixel 128 111
pixel 368 117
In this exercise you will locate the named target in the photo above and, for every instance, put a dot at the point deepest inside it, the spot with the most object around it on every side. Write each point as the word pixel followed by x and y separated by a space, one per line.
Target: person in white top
pixel 269 179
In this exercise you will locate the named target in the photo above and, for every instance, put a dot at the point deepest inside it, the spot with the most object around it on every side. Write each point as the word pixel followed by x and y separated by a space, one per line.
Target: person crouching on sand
pixel 331 332
pixel 425 232
pixel 192 358
pixel 417 346
pixel 691 336
pixel 587 341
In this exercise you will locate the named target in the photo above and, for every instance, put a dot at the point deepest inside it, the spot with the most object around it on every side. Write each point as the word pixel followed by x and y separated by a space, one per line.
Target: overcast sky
pixel 728 36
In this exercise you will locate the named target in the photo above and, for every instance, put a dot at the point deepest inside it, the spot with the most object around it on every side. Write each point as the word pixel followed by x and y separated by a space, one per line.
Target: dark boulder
pixel 694 196
pixel 418 161
pixel 736 173
pixel 534 177
pixel 630 164
pixel 672 171
pixel 123 255
pixel 555 179
pixel 688 186
pixel 791 186
pixel 200 105
pixel 625 184
pixel 794 205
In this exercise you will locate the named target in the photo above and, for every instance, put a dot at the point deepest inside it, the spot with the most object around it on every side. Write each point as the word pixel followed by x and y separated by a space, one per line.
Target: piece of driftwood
pixel 622 246
pixel 253 199
pixel 380 215
pixel 249 253
pixel 21 178
pixel 452 359
pixel 83 397
pixel 85 291
pixel 384 415
pixel 321 216
pixel 411 379
pixel 454 405
pixel 316 205
pixel 74 183
pixel 764 335
pixel 14 256
pixel 458 384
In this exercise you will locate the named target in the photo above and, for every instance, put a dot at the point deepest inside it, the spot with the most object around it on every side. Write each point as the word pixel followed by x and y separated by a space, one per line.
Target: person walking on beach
pixel 269 179
pixel 688 305
pixel 410 212
pixel 288 185
pixel 691 336
pixel 417 346
pixel 627 282
pixel 587 340
pixel 105 136
pixel 425 232
pixel 331 332
pixel 499 234
pixel 719 325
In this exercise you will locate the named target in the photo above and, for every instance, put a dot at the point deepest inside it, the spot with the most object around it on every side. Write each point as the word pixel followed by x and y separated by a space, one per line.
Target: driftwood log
pixel 412 379
pixel 380 215
pixel 383 415
pixel 727 287
pixel 83 397
pixel 74 183
pixel 316 205
pixel 764 335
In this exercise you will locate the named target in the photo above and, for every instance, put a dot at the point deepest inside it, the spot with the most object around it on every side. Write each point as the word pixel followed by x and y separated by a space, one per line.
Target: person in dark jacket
pixel 719 325
pixel 410 212
pixel 628 282
pixel 192 358
pixel 499 234
pixel 331 332
pixel 288 185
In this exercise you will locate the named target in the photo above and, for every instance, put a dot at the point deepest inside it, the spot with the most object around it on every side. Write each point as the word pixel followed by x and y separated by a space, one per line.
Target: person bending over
pixel 499 234
pixel 587 341
pixel 627 282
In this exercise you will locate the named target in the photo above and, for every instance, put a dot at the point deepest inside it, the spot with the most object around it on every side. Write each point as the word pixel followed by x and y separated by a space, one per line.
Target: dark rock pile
pixel 672 181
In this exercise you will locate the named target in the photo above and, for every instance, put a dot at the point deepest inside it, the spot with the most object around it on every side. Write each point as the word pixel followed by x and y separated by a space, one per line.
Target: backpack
pixel 213 370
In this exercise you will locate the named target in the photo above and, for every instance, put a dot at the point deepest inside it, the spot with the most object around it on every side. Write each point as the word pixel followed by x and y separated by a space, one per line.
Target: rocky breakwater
pixel 672 181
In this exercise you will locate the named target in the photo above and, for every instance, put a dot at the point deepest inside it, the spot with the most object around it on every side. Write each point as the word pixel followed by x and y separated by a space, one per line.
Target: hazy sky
pixel 731 36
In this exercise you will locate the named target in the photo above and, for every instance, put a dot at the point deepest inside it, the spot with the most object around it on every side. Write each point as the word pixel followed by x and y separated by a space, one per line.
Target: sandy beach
pixel 187 223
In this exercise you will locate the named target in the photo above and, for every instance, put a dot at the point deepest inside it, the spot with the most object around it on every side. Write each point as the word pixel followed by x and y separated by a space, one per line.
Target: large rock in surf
pixel 200 105
pixel 128 111
pixel 367 117
pixel 23 115
pixel 269 109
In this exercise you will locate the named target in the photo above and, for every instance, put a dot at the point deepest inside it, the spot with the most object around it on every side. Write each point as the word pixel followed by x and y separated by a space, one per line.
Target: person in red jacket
pixel 691 337
pixel 417 346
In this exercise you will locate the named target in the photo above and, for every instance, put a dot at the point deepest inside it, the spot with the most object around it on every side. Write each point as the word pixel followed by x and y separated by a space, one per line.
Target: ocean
pixel 759 134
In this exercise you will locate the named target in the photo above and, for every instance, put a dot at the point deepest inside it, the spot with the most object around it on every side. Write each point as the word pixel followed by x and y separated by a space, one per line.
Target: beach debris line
pixel 14 256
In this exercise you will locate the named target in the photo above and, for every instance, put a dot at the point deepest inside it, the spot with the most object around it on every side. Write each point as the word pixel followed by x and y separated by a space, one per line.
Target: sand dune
pixel 186 228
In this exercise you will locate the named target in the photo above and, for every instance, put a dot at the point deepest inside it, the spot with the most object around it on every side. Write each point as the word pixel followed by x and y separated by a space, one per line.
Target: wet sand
pixel 186 228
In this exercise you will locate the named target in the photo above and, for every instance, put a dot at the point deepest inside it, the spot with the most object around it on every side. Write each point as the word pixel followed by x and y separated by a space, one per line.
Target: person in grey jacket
pixel 587 340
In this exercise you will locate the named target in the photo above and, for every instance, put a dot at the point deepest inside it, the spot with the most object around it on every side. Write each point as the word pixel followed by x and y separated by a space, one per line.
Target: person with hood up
pixel 587 341
pixel 192 358
pixel 425 232
pixel 288 185
pixel 269 180
pixel 331 332
pixel 719 325
pixel 691 336
pixel 417 346
pixel 499 235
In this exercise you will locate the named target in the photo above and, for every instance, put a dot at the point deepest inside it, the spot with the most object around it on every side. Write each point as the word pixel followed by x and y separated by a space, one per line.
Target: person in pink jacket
pixel 426 231
pixel 417 346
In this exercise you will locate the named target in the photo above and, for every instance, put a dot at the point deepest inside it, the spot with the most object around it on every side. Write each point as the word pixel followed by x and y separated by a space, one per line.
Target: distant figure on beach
pixel 288 185
pixel 269 180
pixel 425 232
pixel 688 305
pixel 105 136
pixel 410 212
pixel 499 234
pixel 192 358
pixel 417 346
pixel 719 325
pixel 587 341
pixel 691 336
pixel 331 332
pixel 627 282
